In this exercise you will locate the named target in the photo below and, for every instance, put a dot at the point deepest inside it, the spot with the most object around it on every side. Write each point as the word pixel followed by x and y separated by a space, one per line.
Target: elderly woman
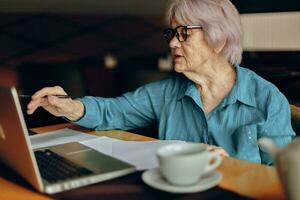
pixel 211 100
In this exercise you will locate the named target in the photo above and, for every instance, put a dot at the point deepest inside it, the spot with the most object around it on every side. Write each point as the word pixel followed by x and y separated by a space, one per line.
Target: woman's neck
pixel 213 75
pixel 214 81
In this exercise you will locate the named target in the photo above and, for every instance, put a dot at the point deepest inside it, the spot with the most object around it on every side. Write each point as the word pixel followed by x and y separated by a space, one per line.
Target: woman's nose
pixel 174 43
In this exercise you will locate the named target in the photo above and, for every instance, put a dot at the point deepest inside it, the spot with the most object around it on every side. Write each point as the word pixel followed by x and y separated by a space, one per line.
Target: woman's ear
pixel 220 46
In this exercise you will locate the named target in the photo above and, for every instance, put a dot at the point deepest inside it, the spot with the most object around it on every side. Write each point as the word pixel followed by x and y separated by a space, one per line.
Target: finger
pixel 216 149
pixel 220 151
pixel 30 111
pixel 34 104
pixel 48 91
pixel 211 147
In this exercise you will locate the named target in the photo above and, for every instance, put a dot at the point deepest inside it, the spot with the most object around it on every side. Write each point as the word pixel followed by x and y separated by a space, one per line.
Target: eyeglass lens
pixel 180 32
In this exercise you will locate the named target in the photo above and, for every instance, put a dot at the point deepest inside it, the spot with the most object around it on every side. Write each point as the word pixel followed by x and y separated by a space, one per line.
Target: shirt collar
pixel 241 90
pixel 189 89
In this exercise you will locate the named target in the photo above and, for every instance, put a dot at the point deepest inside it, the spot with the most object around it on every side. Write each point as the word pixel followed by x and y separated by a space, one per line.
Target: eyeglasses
pixel 180 32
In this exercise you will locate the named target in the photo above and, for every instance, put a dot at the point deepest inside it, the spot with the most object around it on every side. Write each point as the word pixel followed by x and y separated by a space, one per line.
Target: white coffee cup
pixel 186 163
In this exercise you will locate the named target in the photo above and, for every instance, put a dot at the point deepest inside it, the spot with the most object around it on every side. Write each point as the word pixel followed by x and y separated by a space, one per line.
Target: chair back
pixel 295 112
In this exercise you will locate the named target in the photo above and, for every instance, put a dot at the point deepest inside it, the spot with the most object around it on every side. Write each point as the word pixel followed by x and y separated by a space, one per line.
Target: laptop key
pixel 55 168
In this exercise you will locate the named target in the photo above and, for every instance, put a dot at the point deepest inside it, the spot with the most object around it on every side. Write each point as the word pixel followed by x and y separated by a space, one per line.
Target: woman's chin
pixel 178 68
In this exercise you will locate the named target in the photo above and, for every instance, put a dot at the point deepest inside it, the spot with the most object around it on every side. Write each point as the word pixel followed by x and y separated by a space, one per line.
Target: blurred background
pixel 108 47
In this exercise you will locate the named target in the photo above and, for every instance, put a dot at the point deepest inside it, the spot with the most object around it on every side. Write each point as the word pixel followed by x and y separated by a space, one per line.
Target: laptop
pixel 56 168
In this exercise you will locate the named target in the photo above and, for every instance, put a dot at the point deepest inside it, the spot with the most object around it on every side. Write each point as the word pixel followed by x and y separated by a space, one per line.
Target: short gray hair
pixel 219 18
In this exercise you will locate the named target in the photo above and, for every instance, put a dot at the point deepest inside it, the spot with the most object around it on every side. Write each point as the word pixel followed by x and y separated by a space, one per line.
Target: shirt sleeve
pixel 278 124
pixel 130 111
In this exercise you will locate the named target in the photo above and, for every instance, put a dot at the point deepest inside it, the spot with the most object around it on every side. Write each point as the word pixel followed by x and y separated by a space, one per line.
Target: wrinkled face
pixel 192 54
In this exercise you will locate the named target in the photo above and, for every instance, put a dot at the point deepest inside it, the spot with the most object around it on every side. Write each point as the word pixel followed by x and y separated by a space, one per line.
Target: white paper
pixel 140 154
pixel 60 136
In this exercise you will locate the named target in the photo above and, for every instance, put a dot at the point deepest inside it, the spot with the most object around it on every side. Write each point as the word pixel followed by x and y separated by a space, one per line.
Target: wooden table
pixel 241 177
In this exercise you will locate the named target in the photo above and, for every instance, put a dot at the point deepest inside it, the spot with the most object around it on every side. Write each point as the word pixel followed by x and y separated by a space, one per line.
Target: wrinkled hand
pixel 67 107
pixel 216 149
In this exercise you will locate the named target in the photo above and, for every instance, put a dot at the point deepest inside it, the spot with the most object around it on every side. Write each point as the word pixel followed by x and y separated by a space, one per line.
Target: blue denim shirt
pixel 254 108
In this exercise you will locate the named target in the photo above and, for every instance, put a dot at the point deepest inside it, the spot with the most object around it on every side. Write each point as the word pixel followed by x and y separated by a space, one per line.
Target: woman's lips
pixel 177 57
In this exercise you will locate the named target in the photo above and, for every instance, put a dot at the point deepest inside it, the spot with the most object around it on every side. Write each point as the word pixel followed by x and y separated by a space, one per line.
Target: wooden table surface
pixel 241 177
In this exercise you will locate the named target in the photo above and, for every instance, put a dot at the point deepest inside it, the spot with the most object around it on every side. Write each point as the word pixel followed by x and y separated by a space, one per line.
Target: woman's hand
pixel 66 107
pixel 216 149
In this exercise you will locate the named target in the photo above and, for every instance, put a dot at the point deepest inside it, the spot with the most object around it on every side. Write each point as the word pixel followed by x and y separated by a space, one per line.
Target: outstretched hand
pixel 46 98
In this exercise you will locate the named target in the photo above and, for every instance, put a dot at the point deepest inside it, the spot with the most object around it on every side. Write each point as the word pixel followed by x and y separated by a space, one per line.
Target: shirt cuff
pixel 89 118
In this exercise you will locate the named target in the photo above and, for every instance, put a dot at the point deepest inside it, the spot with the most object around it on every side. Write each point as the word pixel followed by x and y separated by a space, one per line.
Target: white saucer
pixel 154 179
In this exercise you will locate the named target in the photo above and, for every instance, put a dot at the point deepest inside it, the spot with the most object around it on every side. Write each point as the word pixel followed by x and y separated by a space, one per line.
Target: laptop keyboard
pixel 55 168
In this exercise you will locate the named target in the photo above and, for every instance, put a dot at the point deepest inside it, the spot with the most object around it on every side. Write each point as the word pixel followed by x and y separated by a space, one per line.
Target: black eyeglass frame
pixel 169 33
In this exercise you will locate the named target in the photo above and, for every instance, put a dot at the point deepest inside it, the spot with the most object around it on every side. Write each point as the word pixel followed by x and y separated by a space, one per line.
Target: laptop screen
pixel 15 148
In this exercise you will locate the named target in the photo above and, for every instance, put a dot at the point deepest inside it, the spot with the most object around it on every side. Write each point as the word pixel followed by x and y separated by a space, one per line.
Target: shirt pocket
pixel 245 142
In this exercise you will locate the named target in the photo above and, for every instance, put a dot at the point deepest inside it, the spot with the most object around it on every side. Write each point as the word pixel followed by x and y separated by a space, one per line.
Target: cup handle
pixel 211 167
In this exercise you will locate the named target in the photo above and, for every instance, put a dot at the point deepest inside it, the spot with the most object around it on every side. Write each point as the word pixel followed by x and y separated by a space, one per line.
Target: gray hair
pixel 219 18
